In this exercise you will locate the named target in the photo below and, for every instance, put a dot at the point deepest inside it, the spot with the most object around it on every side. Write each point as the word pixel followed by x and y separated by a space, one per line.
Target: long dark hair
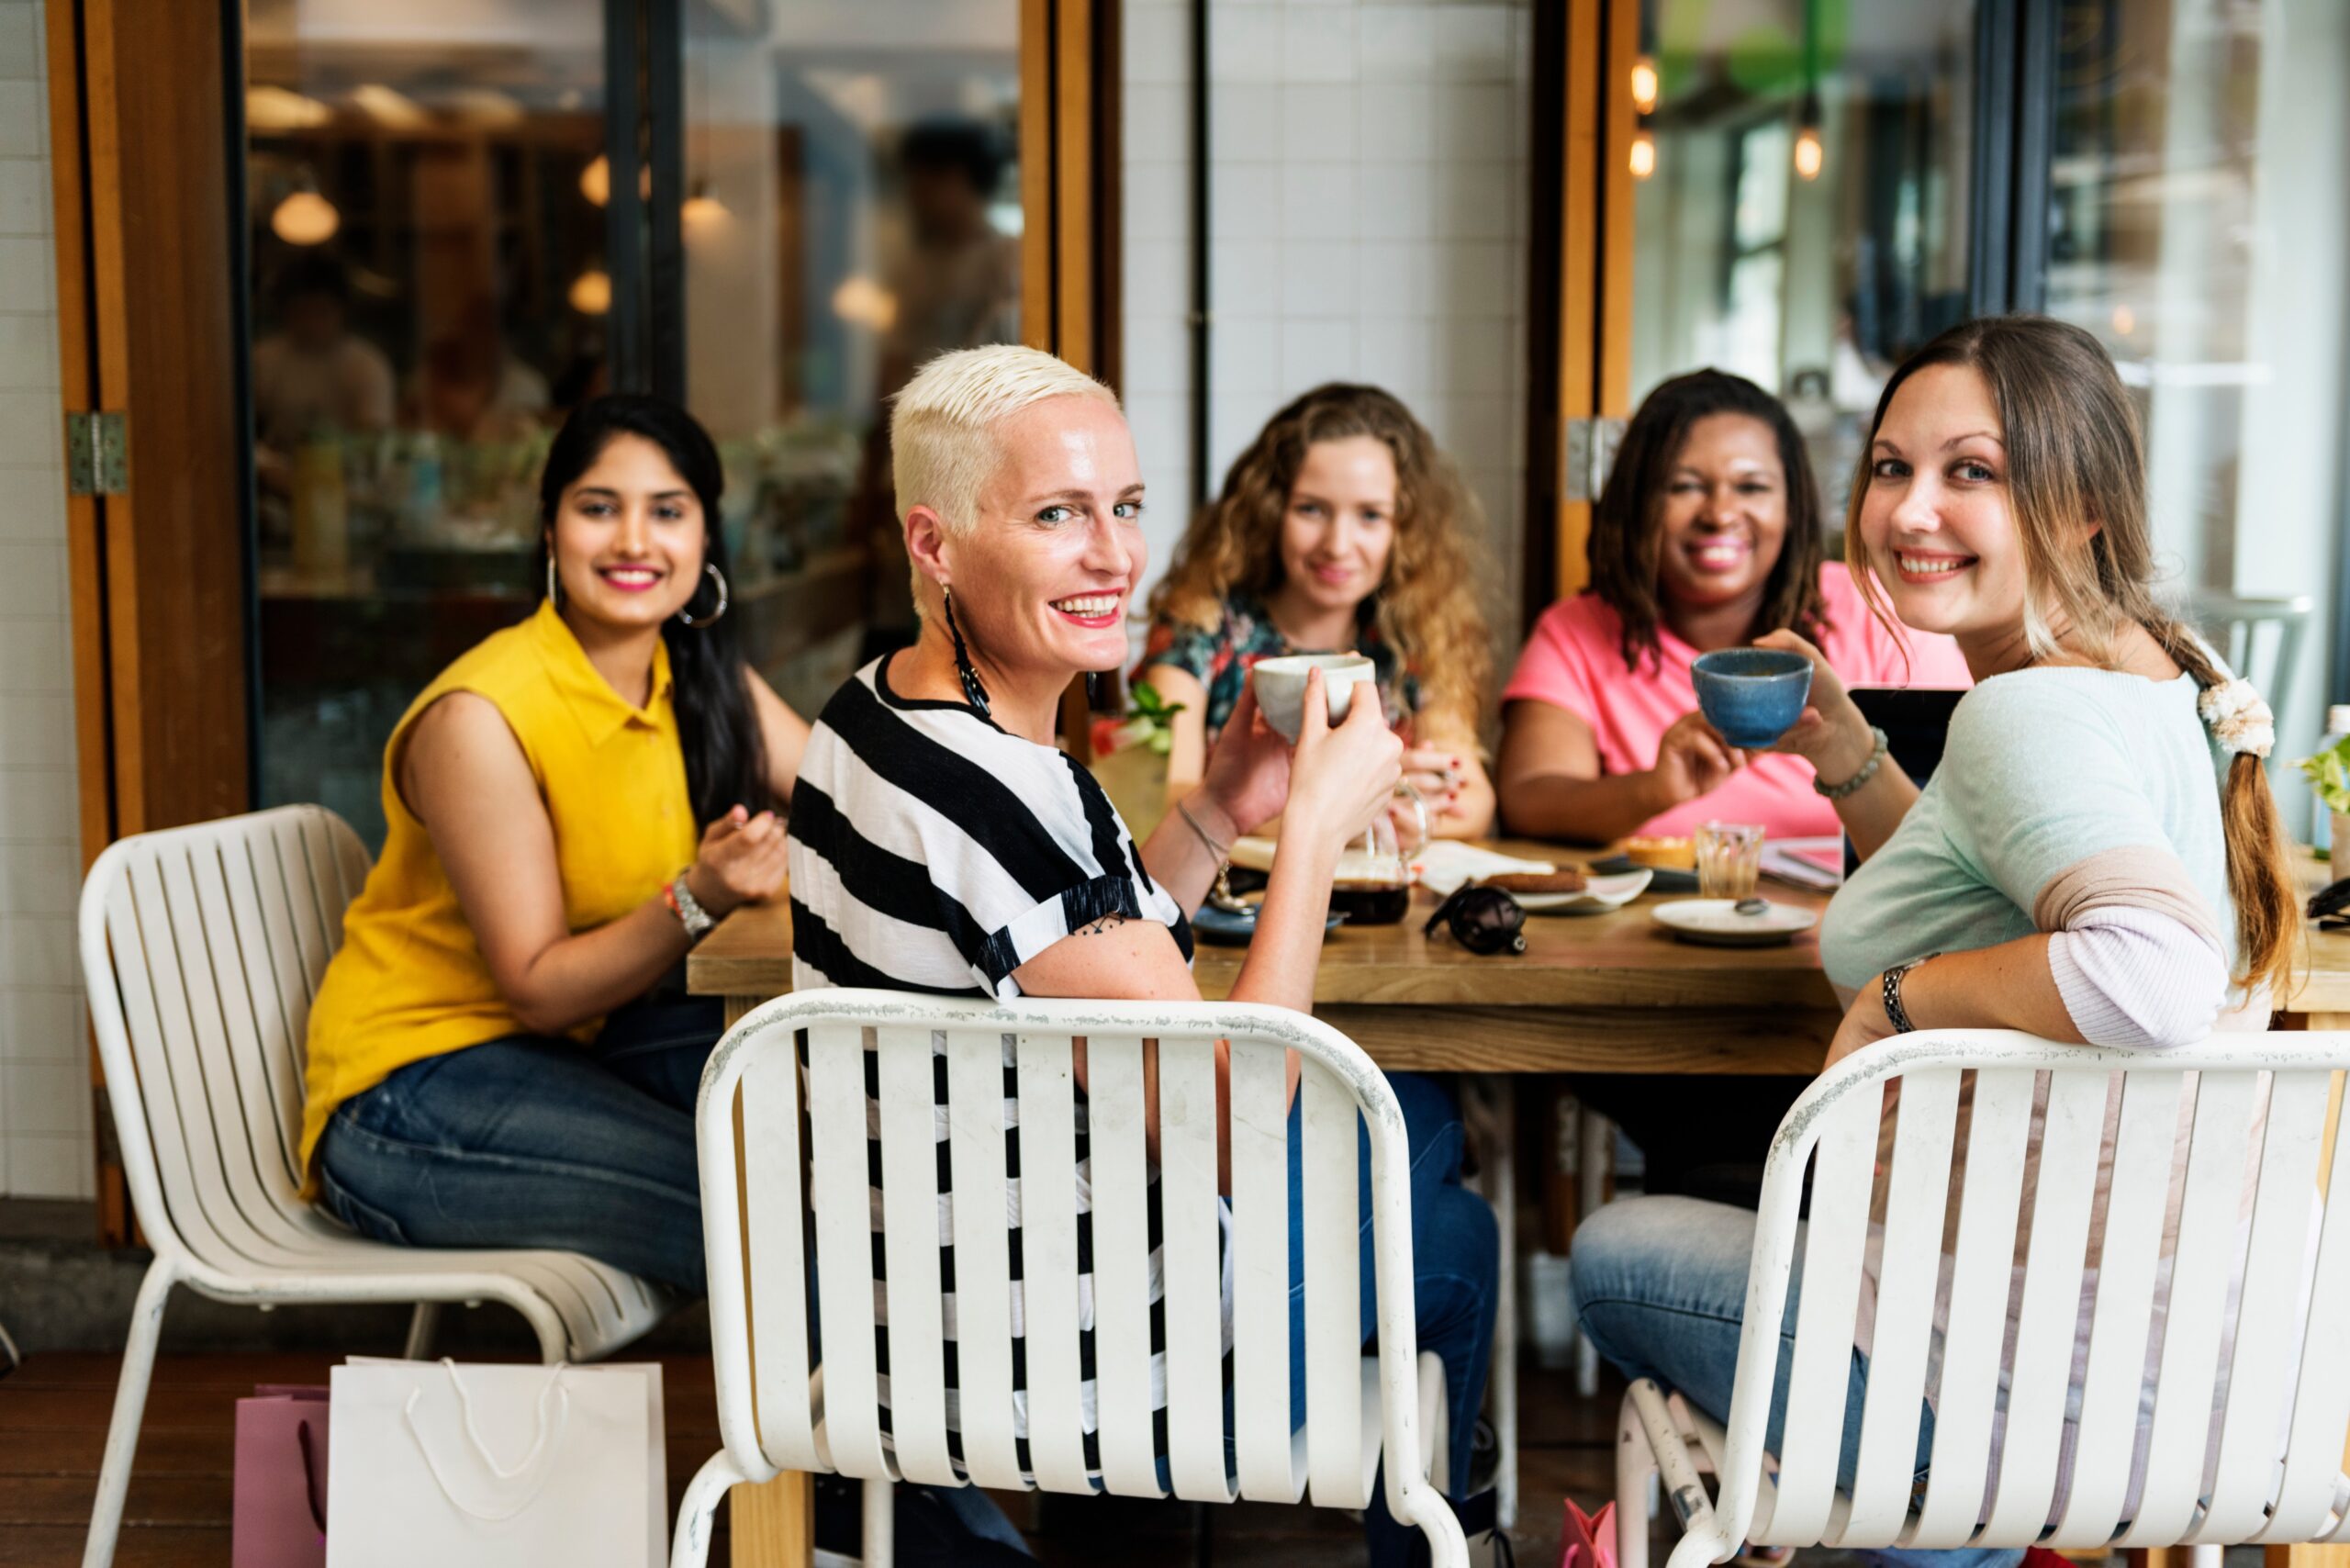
pixel 725 756
pixel 1626 542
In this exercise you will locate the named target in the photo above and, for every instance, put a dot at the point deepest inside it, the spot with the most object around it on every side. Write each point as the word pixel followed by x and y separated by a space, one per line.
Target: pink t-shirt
pixel 1574 660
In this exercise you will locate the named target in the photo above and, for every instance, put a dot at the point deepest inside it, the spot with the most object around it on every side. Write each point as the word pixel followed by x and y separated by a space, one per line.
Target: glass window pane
pixel 1809 274
pixel 854 210
pixel 429 296
pixel 2201 208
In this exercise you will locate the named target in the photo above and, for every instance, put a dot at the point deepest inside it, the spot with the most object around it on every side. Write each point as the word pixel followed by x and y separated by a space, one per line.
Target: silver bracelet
pixel 1206 837
pixel 688 910
pixel 1867 772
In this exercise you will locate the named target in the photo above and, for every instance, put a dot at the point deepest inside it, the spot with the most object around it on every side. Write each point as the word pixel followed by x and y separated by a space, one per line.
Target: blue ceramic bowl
pixel 1751 695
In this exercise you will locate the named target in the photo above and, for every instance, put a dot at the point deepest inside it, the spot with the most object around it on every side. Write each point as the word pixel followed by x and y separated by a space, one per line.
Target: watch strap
pixel 1894 1011
pixel 689 909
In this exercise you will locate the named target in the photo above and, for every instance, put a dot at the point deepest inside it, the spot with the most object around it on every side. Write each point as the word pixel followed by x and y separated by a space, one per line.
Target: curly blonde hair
pixel 1425 608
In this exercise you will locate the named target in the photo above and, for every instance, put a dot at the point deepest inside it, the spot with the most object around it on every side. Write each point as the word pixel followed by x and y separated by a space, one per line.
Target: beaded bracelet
pixel 1867 772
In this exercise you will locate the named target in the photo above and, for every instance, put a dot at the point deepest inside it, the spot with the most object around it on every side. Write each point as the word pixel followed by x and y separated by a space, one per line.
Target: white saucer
pixel 1597 895
pixel 1716 923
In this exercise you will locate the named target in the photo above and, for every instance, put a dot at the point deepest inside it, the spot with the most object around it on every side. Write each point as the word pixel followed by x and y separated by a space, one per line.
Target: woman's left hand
pixel 1864 1023
pixel 1247 771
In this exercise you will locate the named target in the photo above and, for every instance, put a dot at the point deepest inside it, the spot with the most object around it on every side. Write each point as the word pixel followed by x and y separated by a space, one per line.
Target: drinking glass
pixel 1729 857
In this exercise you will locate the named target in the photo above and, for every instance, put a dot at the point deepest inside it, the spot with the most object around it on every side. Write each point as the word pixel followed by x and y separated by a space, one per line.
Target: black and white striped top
pixel 932 851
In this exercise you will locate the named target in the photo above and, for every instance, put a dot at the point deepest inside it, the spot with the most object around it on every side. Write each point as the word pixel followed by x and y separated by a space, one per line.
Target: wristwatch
pixel 1894 1011
pixel 688 909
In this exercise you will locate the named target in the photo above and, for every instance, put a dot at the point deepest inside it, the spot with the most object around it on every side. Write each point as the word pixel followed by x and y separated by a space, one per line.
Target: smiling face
pixel 1723 517
pixel 1937 519
pixel 1043 578
pixel 629 538
pixel 1338 528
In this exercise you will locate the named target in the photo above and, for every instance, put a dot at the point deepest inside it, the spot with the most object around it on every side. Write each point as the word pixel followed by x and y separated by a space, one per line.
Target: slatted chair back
pixel 203 947
pixel 2235 1334
pixel 975 1307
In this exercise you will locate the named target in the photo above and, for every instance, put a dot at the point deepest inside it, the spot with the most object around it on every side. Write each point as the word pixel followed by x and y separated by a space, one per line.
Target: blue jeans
pixel 1661 1288
pixel 534 1142
pixel 1455 1265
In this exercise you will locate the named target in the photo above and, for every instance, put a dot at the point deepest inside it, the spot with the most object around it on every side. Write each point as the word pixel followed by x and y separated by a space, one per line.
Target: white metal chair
pixel 201 949
pixel 775 1203
pixel 2262 1126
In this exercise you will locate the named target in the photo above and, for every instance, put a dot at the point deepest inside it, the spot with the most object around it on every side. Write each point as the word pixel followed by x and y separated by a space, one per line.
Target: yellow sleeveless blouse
pixel 409 982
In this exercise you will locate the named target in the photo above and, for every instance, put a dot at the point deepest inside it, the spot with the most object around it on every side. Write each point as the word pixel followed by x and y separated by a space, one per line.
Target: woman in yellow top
pixel 492 1062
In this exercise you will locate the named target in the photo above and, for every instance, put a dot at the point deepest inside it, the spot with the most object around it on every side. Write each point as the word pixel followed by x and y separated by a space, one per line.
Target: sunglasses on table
pixel 1485 920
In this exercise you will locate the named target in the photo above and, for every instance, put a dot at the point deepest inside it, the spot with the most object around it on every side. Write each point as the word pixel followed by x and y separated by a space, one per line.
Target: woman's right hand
pixel 1341 776
pixel 743 859
pixel 1832 734
pixel 1692 759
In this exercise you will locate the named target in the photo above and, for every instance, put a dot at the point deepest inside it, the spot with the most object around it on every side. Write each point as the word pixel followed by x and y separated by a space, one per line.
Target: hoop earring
pixel 551 581
pixel 714 616
pixel 974 691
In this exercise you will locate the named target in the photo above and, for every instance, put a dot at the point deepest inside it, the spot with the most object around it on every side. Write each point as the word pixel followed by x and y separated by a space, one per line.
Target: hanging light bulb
pixel 701 207
pixel 1643 153
pixel 591 292
pixel 596 181
pixel 1810 155
pixel 304 218
pixel 1644 85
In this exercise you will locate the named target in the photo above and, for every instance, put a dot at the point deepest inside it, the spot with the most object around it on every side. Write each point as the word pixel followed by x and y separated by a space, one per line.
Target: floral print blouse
pixel 1220 660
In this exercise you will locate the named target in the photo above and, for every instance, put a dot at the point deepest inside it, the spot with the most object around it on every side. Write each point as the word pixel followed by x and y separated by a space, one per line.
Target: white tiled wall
pixel 45 1136
pixel 1366 221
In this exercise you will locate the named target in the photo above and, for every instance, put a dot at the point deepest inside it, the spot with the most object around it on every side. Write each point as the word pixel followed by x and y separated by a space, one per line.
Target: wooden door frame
pixel 149 305
pixel 1071 298
pixel 1579 311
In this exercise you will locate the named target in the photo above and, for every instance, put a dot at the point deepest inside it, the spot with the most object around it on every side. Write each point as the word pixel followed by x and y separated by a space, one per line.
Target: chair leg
pixel 880 1523
pixel 1595 1155
pixel 130 1409
pixel 420 1327
pixel 689 1546
pixel 1448 1548
pixel 1635 1467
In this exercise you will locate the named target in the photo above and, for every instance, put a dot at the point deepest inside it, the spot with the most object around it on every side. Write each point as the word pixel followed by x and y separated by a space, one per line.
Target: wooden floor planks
pixel 54 1414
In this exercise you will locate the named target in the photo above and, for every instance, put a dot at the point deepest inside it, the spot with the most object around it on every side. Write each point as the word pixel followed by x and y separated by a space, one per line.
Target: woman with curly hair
pixel 1708 535
pixel 1343 528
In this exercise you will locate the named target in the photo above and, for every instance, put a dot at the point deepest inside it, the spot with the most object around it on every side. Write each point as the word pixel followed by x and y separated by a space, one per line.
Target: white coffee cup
pixel 1280 687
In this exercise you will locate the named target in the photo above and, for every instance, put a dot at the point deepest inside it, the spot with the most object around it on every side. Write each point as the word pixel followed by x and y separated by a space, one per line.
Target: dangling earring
pixel 551 582
pixel 974 692
pixel 710 619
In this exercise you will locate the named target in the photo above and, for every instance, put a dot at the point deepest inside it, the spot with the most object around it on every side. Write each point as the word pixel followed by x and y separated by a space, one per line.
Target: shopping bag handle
pixel 547 1431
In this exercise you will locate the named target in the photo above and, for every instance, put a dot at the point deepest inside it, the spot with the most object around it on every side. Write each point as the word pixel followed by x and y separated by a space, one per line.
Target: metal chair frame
pixel 2264 1124
pixel 202 949
pixel 785 1191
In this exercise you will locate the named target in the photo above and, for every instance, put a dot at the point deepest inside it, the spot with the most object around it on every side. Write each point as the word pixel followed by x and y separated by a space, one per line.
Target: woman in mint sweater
pixel 2096 860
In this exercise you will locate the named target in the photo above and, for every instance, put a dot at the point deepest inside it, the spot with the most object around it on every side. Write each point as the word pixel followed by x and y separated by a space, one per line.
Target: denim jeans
pixel 535 1142
pixel 1661 1287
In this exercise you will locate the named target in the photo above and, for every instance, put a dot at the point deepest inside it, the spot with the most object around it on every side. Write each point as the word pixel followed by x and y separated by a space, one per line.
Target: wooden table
pixel 1610 992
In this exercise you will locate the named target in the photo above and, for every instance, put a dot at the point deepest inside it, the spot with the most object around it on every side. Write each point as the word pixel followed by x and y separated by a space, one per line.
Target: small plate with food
pixel 1569 890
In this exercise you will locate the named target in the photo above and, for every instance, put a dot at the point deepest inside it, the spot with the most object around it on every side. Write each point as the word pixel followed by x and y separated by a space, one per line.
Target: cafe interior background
pixel 1518 217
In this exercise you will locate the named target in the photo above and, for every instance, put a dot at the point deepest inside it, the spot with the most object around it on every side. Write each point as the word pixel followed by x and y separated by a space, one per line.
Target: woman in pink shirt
pixel 1708 535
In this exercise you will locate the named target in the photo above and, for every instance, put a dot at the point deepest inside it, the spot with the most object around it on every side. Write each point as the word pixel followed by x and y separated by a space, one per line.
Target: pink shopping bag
pixel 280 1515
pixel 1587 1541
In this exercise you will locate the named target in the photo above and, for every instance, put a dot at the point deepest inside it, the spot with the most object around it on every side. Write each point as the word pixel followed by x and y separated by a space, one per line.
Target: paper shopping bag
pixel 279 1516
pixel 479 1466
